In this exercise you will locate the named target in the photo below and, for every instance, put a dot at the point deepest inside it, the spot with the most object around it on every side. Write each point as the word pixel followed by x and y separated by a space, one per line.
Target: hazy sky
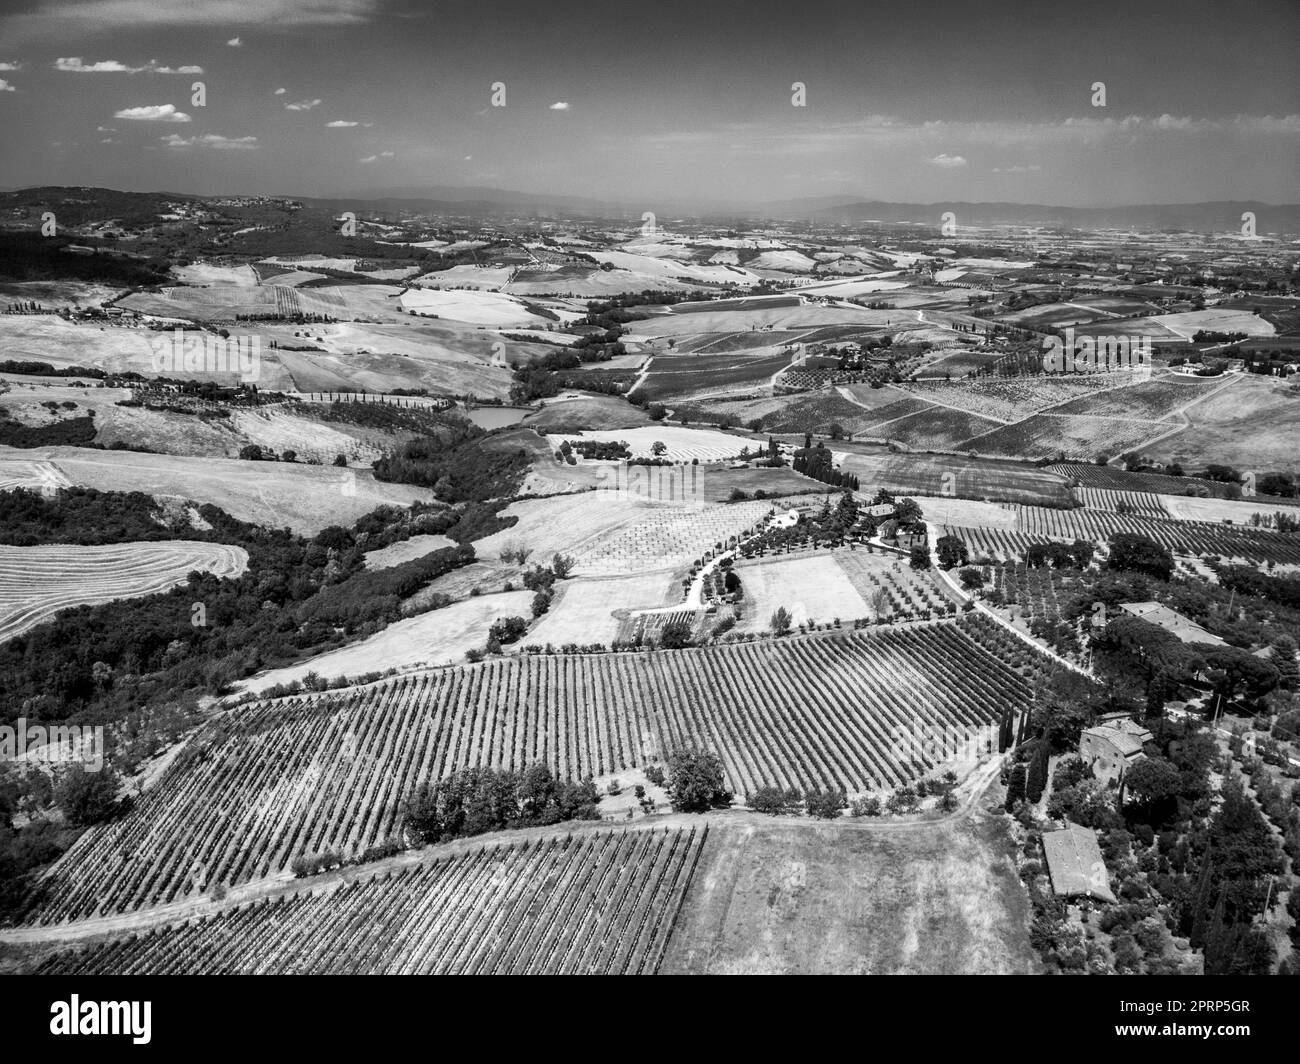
pixel 688 101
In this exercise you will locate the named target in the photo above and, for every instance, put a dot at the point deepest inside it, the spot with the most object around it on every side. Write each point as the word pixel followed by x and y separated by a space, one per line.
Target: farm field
pixel 1078 438
pixel 598 902
pixel 1151 400
pixel 685 376
pixel 439 637
pixel 780 899
pixel 1251 424
pixel 935 429
pixel 1179 536
pixel 588 412
pixel 587 611
pixel 37 582
pixel 683 444
pixel 39 476
pixel 1012 399
pixel 1143 503
pixel 971 478
pixel 999 544
pixel 811 587
pixel 308 773
pixel 406 550
pixel 277 494
pixel 668 537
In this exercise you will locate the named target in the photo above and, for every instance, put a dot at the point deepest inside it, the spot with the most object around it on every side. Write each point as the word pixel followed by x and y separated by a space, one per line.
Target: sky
pixel 1092 104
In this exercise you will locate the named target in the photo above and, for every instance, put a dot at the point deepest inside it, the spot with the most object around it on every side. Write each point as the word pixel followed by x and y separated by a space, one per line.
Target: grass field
pixel 776 898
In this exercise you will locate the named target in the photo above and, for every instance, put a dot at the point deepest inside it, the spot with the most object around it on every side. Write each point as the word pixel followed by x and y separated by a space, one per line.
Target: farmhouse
pixel 1171 621
pixel 1112 746
pixel 1074 863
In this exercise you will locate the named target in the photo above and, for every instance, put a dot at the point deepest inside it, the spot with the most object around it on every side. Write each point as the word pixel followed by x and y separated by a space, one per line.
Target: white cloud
pixel 468 158
pixel 949 162
pixel 560 105
pixel 281 92
pixel 77 65
pixel 108 14
pixel 235 42
pixel 210 140
pixel 302 105
pixel 105 129
pixel 161 112
pixel 1017 169
pixel 11 66
pixel 339 123
pixel 6 87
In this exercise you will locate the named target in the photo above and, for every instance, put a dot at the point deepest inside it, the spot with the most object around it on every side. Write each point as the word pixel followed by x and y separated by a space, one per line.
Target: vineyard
pixel 1010 399
pixel 269 781
pixel 936 429
pixel 597 903
pixel 37 582
pixel 994 543
pixel 1079 438
pixel 671 537
pixel 1181 537
pixel 1141 503
pixel 1149 400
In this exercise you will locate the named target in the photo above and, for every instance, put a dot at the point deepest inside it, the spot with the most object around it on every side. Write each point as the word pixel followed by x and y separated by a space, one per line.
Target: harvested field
pixel 37 582
pixel 935 429
pixel 682 444
pixel 669 537
pixel 812 588
pixel 1152 400
pixel 587 611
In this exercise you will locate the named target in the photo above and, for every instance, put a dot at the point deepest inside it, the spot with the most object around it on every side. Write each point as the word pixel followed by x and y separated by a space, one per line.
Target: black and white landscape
pixel 685 488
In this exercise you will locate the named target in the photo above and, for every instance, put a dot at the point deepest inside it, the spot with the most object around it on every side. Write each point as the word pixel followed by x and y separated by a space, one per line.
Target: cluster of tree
pixel 44 369
pixel 1284 590
pixel 775 801
pixel 1132 552
pixel 951 551
pixel 1077 555
pixel 88 516
pixel 66 432
pixel 816 462
pixel 462 467
pixel 473 801
pixel 29 256
pixel 696 780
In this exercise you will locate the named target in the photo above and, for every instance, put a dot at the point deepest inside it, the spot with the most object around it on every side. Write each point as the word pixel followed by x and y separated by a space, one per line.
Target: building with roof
pixel 1111 746
pixel 1074 863
pixel 1171 621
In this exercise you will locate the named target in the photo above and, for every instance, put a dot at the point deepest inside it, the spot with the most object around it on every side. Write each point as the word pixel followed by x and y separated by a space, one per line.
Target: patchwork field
pixel 1079 438
pixel 37 582
pixel 406 550
pixel 310 773
pixel 684 376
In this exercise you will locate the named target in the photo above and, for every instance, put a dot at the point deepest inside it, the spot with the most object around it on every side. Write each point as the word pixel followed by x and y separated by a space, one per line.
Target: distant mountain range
pixel 1214 217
